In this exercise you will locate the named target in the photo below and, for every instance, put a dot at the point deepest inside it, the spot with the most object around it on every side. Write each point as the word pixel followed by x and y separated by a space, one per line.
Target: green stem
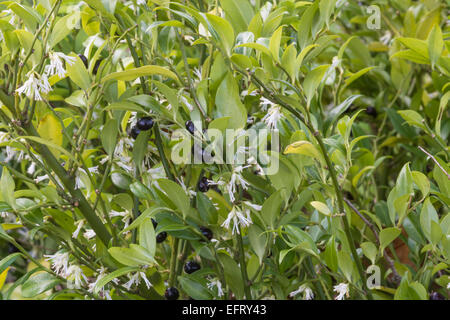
pixel 78 197
pixel 248 294
pixel 173 262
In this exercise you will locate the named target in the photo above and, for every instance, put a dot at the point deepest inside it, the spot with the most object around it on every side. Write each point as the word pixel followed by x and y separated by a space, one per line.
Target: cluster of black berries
pixel 143 124
pixel 85 62
pixel 172 292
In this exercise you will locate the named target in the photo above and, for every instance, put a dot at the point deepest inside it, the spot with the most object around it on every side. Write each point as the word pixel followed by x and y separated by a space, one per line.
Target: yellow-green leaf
pixel 135 73
pixel 321 207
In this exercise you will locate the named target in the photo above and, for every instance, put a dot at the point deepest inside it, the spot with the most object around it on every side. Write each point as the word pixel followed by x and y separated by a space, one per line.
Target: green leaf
pixel 387 236
pixel 274 44
pixel 321 207
pixel 63 27
pixel 346 264
pixel 239 12
pixel 50 129
pixel 256 46
pixel 422 182
pixel 111 276
pixel 8 260
pixel 147 237
pixel 134 256
pixel 305 148
pixel 257 239
pixel 7 187
pixel 108 136
pixel 194 289
pixel 435 44
pixel 370 251
pixel 229 104
pixel 427 215
pixel 412 117
pixel 326 9
pixel 330 254
pixel 140 190
pixel 305 24
pixel 140 147
pixel 38 283
pixel 27 14
pixel 417 45
pixel 78 73
pixel 356 75
pixel 410 291
pixel 223 31
pixel 271 208
pixel 313 80
pixel 233 276
pixel 132 74
pixel 177 195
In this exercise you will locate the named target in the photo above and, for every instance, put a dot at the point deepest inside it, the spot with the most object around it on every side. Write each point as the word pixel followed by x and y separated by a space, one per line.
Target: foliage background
pixel 364 172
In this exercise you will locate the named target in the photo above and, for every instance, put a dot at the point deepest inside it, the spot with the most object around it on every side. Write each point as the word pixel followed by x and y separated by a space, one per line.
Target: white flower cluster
pixel 37 85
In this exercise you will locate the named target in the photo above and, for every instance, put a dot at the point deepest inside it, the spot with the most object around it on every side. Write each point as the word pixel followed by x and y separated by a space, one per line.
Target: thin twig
pixel 435 161
pixel 397 278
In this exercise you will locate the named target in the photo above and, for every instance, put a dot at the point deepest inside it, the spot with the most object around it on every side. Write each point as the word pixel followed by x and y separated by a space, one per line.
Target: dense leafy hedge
pixel 97 96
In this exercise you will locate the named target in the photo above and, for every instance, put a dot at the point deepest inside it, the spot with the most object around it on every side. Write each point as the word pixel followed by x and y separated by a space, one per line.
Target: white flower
pixel 89 234
pixel 238 219
pixel 342 290
pixel 80 225
pixel 78 183
pixel 330 75
pixel 41 178
pixel 266 102
pixel 448 286
pixel 126 217
pixel 75 273
pixel 236 178
pixel 34 86
pixel 386 38
pixel 31 169
pixel 272 117
pixel 93 170
pixel 218 284
pixel 308 293
pixel 102 273
pixel 60 262
pixel 135 280
pixel 186 189
pixel 253 206
pixel 56 65
pixel 133 119
pixel 10 154
pixel 253 162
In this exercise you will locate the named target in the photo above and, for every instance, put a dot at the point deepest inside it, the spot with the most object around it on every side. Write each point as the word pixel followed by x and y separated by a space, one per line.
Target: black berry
pixel 155 224
pixel 84 59
pixel 191 267
pixel 160 237
pixel 172 293
pixel 135 132
pixel 207 233
pixel 371 111
pixel 12 248
pixel 97 64
pixel 203 185
pixel 145 123
pixel 190 126
pixel 436 296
